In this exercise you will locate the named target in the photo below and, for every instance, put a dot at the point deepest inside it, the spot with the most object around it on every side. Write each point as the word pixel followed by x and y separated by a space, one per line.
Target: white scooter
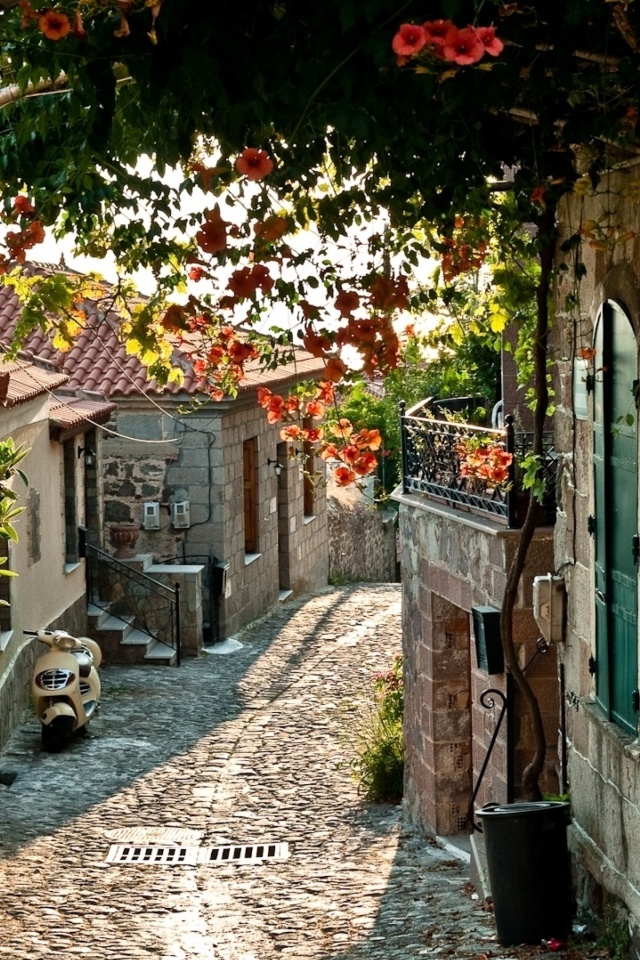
pixel 66 686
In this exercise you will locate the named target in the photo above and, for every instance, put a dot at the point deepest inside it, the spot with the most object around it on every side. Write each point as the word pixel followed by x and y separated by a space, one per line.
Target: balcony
pixel 475 469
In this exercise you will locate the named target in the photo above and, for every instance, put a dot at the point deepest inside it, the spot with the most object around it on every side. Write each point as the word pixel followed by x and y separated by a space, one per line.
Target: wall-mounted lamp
pixel 89 455
pixel 277 466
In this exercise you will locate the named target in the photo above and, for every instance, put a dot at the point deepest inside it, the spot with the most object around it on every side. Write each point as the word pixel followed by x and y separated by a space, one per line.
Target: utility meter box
pixel 180 515
pixel 151 516
pixel 549 599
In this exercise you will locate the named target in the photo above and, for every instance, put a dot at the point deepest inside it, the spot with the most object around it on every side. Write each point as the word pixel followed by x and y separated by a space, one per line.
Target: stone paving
pixel 249 747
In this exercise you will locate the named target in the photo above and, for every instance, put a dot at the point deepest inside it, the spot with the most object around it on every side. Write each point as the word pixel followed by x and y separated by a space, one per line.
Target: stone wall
pixel 603 761
pixel 451 562
pixel 199 458
pixel 362 540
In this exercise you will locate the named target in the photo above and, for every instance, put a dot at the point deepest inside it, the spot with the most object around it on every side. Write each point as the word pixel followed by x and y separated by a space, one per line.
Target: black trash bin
pixel 529 870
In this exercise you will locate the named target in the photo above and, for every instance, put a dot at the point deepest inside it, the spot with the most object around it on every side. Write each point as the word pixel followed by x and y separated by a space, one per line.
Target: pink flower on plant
pixel 487 37
pixel 462 46
pixel 409 39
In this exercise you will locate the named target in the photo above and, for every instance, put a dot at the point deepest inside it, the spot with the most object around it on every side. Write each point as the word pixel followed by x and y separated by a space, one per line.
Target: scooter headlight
pixel 54 679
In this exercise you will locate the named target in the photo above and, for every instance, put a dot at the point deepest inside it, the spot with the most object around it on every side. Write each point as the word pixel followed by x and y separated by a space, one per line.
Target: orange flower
pixel 315 409
pixel 212 235
pixel 346 303
pixel 326 392
pixel 264 396
pixel 239 351
pixel 291 432
pixel 349 453
pixel 329 452
pixel 537 195
pixel 316 343
pixel 342 428
pixel 335 369
pixel 365 463
pixel 343 476
pixel 586 353
pixel 270 229
pixel 254 164
pixel 313 434
pixel 368 438
pixel 54 24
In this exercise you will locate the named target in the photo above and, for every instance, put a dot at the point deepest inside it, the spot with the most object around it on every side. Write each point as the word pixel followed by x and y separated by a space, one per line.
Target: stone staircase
pixel 121 642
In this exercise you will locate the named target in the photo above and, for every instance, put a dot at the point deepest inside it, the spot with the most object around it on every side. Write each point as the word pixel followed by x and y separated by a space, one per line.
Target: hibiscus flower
pixel 54 24
pixel 409 39
pixel 254 164
pixel 462 46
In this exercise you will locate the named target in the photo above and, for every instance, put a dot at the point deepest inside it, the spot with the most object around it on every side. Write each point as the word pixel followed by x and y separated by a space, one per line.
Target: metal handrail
pixel 154 605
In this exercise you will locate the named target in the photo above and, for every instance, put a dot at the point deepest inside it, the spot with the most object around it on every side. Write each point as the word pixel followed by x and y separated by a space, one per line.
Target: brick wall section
pixel 452 562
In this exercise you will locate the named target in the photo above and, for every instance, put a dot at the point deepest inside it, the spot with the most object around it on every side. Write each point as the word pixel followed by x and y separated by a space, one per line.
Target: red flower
pixel 22 205
pixel 270 229
pixel 195 273
pixel 487 37
pixel 586 353
pixel 365 463
pixel 241 283
pixel 462 46
pixel 212 235
pixel 343 476
pixel 537 195
pixel 436 30
pixel 346 303
pixel 254 164
pixel 54 25
pixel 409 39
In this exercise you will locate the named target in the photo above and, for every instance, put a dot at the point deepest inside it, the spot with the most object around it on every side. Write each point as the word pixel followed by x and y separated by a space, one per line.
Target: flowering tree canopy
pixel 382 135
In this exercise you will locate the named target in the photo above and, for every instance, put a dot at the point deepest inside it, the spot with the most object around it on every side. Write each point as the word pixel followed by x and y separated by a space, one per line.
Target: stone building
pixel 457 539
pixel 596 543
pixel 207 483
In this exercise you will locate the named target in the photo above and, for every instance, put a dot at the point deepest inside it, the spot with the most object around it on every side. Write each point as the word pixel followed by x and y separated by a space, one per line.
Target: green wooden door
pixel 616 515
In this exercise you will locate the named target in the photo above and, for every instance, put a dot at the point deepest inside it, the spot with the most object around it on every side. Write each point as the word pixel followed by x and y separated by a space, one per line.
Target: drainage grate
pixel 128 853
pixel 250 853
pixel 121 853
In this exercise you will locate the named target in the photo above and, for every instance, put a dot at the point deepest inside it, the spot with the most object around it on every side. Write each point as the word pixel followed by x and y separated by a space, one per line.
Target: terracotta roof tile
pixel 69 413
pixel 21 382
pixel 98 362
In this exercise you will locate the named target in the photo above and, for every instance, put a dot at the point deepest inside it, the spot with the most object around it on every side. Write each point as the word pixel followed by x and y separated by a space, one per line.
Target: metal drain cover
pixel 175 854
pixel 245 853
pixel 132 853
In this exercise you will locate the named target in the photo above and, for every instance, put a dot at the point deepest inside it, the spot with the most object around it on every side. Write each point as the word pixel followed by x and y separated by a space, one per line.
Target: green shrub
pixel 379 765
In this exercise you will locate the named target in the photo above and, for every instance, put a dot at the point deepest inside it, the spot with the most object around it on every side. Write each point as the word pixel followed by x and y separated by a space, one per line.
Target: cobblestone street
pixel 249 747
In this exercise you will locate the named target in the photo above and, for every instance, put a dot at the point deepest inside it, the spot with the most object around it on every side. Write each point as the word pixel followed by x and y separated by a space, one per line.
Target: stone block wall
pixel 199 458
pixel 603 761
pixel 362 540
pixel 452 562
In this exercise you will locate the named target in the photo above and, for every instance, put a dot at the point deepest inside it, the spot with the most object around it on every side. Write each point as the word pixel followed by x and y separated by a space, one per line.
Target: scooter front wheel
pixel 56 734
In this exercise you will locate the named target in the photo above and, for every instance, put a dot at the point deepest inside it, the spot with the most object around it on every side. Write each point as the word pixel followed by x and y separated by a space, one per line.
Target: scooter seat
pixel 84 663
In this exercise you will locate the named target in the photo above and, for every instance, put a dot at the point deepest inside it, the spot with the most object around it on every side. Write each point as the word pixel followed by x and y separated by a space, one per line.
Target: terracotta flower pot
pixel 124 536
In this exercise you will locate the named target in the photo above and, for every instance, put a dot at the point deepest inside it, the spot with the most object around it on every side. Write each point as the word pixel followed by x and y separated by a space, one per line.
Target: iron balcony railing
pixel 134 597
pixel 477 469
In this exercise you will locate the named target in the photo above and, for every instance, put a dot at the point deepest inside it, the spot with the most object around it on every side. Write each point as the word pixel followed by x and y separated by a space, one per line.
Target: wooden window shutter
pixel 250 496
